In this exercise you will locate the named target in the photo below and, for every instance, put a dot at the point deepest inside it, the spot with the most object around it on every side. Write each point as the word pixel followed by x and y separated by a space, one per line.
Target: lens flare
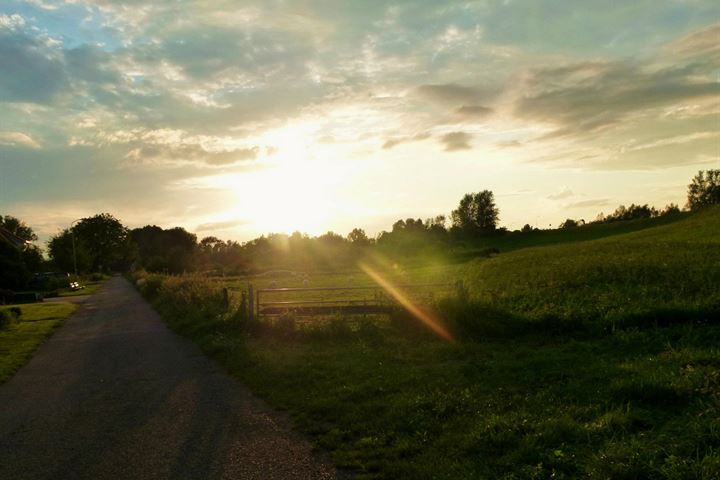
pixel 425 317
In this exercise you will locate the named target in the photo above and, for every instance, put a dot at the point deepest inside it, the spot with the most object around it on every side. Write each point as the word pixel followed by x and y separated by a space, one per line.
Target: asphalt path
pixel 114 394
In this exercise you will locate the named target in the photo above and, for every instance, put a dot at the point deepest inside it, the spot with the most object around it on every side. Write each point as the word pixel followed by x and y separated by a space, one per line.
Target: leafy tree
pixel 17 262
pixel 704 189
pixel 527 228
pixel 670 209
pixel 358 237
pixel 632 212
pixel 569 223
pixel 210 244
pixel 171 250
pixel 13 272
pixel 17 227
pixel 106 240
pixel 102 243
pixel 476 213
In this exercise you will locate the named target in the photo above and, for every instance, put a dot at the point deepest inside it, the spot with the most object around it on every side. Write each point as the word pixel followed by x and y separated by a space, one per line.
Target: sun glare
pixel 288 198
pixel 299 187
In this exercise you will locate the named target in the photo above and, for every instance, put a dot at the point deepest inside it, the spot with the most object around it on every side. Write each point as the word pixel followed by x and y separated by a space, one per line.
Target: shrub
pixel 8 316
pixel 27 297
pixel 6 296
pixel 150 285
pixel 190 303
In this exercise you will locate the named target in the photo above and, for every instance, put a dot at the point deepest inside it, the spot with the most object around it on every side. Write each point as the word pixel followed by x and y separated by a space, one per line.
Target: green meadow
pixel 583 353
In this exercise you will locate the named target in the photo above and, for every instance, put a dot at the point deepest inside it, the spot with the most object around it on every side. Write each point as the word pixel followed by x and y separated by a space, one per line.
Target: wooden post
pixel 251 306
pixel 226 299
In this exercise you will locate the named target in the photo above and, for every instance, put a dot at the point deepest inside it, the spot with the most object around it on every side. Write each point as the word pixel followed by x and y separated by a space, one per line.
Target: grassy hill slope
pixel 663 274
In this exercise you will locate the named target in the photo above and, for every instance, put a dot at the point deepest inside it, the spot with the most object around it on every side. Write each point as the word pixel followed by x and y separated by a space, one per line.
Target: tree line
pixel 101 243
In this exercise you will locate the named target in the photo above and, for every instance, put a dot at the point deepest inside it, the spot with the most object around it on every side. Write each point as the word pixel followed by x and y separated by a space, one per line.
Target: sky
pixel 239 118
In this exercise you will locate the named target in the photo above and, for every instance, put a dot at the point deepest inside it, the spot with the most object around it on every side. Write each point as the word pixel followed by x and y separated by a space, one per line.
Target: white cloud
pixel 18 138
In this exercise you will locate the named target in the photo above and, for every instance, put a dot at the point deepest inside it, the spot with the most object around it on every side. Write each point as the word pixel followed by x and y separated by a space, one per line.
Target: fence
pixel 318 301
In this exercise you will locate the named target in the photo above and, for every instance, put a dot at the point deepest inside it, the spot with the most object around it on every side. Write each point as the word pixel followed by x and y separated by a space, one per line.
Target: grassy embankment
pixel 20 337
pixel 591 359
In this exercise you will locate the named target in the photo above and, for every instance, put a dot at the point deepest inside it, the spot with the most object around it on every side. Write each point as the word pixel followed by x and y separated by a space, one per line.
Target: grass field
pixel 19 339
pixel 587 359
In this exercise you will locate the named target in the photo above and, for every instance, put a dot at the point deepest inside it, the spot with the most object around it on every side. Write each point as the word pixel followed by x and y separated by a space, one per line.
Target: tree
pixel 633 212
pixel 476 213
pixel 569 223
pixel 704 189
pixel 670 209
pixel 171 250
pixel 18 228
pixel 17 260
pixel 106 240
pixel 358 237
pixel 101 243
pixel 13 273
pixel 60 250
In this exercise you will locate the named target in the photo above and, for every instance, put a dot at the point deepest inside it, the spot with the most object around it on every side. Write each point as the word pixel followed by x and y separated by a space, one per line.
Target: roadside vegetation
pixel 23 328
pixel 589 359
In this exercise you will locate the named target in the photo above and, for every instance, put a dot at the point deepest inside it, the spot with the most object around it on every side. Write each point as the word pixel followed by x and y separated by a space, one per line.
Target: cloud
pixel 699 42
pixel 598 202
pixel 454 141
pixel 11 22
pixel 474 111
pixel 174 154
pixel 509 144
pixel 582 98
pixel 564 192
pixel 392 142
pixel 223 225
pixel 18 138
pixel 455 95
pixel 34 70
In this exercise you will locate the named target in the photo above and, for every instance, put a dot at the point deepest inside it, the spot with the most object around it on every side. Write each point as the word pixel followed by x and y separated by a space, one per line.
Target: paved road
pixel 115 395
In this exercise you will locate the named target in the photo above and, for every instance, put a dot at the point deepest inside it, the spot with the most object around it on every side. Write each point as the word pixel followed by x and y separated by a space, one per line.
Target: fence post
pixel 251 303
pixel 226 299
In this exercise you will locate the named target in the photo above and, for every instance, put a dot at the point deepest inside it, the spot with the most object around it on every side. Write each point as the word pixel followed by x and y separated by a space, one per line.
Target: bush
pixel 6 296
pixel 8 316
pixel 27 297
pixel 151 285
pixel 189 303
